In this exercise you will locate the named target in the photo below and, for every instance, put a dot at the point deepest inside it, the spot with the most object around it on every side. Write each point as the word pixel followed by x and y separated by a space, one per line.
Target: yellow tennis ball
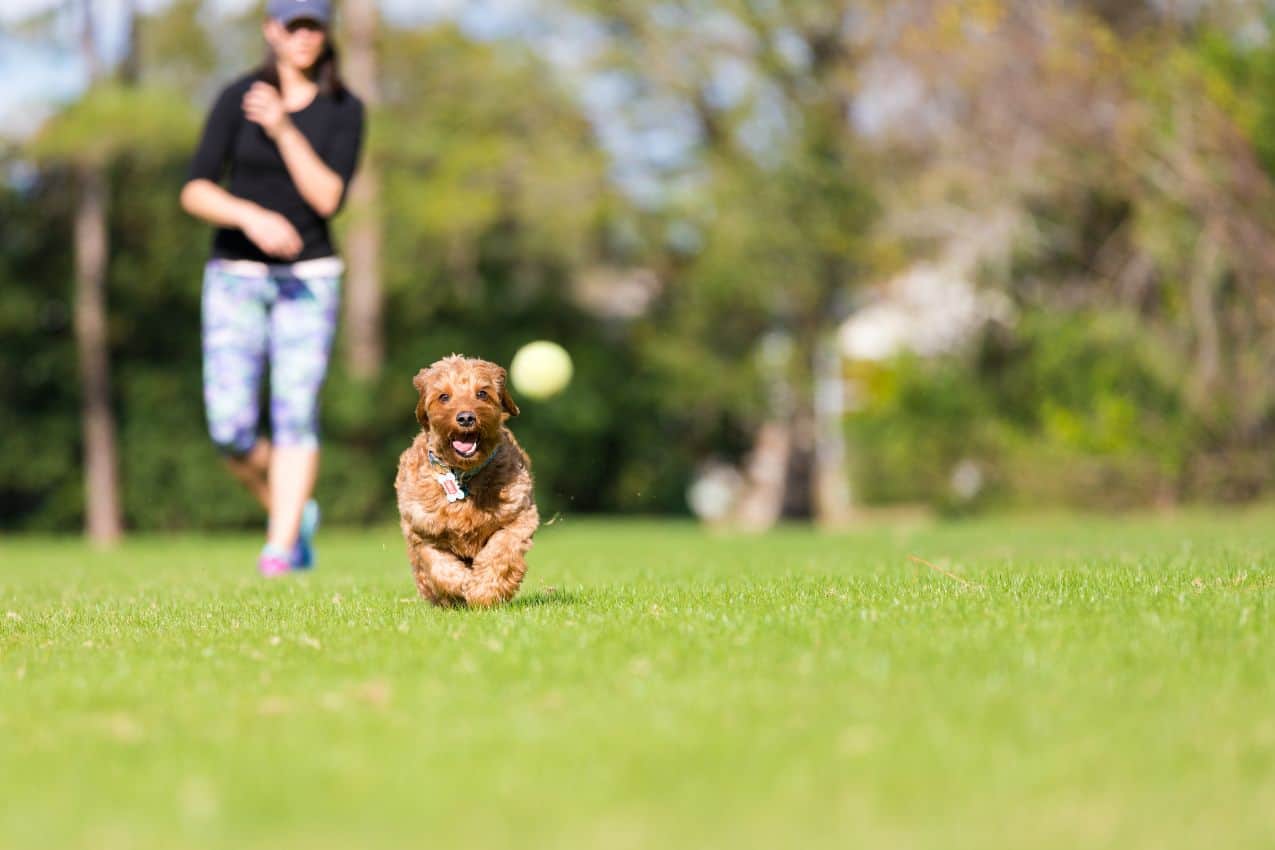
pixel 540 369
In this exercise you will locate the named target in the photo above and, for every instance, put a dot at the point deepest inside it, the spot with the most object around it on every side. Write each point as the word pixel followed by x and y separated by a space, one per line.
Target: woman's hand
pixel 263 105
pixel 272 233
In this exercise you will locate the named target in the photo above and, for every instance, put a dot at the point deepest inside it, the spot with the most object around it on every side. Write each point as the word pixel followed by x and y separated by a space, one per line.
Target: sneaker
pixel 303 551
pixel 271 563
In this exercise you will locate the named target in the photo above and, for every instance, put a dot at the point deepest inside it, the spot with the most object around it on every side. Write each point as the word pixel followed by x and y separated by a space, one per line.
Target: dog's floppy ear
pixel 421 382
pixel 507 402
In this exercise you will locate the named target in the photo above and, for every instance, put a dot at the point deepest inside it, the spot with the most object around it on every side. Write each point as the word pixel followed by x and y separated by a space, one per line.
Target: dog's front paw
pixel 484 591
pixel 483 597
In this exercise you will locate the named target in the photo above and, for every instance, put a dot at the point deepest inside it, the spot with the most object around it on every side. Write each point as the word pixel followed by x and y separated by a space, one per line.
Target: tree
pixel 780 211
pixel 364 334
pixel 1122 154
pixel 109 121
pixel 103 520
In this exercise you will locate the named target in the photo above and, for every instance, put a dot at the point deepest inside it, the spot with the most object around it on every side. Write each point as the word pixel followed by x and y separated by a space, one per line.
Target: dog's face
pixel 463 403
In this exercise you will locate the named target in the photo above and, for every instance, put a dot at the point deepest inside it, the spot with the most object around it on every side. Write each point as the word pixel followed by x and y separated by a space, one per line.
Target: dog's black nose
pixel 466 419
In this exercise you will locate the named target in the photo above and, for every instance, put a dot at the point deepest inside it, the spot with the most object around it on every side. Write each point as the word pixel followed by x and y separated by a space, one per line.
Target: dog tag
pixel 450 486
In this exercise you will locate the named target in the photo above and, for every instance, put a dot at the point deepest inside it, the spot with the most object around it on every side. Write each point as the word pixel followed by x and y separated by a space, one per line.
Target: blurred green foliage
pixel 1135 371
pixel 598 446
pixel 493 197
pixel 1076 410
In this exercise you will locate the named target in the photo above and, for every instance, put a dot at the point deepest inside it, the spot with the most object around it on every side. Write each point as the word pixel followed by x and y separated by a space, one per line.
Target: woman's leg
pixel 235 332
pixel 253 469
pixel 302 324
pixel 293 471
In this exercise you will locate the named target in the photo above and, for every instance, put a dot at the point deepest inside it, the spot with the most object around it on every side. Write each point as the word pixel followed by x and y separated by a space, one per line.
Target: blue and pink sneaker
pixel 303 552
pixel 273 562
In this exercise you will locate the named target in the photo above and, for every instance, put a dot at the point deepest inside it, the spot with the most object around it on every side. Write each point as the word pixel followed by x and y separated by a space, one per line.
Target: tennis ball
pixel 540 369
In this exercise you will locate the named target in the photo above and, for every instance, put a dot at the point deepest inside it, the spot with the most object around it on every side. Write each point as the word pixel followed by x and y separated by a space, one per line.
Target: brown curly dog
pixel 464 487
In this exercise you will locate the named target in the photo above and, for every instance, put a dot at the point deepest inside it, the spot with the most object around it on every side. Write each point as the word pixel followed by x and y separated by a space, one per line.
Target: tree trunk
pixel 799 483
pixel 831 477
pixel 1208 335
pixel 101 478
pixel 365 344
pixel 767 471
pixel 102 521
pixel 765 478
pixel 131 64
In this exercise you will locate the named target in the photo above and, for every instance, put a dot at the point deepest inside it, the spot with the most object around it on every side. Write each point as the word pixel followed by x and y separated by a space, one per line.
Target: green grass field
pixel 1065 683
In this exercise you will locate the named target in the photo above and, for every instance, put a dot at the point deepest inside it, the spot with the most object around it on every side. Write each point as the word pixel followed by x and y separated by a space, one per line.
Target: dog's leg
pixel 500 566
pixel 441 577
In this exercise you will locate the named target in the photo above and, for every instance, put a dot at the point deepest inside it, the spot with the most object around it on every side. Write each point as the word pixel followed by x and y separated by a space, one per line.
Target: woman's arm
pixel 203 198
pixel 321 187
pixel 268 230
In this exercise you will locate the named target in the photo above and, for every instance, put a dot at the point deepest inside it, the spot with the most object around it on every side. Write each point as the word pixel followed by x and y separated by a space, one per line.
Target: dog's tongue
pixel 464 447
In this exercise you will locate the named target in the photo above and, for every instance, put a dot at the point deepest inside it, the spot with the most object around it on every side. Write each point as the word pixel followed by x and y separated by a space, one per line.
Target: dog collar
pixel 453 480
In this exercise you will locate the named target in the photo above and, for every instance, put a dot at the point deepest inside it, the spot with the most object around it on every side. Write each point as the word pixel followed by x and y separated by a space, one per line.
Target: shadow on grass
pixel 544 598
pixel 551 598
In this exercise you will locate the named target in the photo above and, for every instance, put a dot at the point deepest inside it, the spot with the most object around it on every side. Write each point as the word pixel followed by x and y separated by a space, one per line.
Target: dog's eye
pixel 444 398
pixel 482 394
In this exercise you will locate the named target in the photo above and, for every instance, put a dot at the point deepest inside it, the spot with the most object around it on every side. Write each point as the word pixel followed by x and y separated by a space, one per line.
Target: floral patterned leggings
pixel 254 314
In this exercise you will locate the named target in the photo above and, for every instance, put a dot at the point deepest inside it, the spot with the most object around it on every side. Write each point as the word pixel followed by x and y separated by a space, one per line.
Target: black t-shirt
pixel 231 143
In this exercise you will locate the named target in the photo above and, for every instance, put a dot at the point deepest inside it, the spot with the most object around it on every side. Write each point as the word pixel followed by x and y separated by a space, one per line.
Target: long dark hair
pixel 326 71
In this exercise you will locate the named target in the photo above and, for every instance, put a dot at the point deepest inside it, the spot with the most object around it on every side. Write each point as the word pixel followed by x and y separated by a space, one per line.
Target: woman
pixel 287 138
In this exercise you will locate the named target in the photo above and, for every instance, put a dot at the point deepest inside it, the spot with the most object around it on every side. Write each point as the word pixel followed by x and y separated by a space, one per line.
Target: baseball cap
pixel 287 11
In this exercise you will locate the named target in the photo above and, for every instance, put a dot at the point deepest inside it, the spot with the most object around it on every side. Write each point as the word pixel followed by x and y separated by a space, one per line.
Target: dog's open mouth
pixel 465 445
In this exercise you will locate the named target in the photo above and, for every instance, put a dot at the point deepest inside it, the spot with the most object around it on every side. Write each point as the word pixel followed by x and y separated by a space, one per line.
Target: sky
pixel 37 74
